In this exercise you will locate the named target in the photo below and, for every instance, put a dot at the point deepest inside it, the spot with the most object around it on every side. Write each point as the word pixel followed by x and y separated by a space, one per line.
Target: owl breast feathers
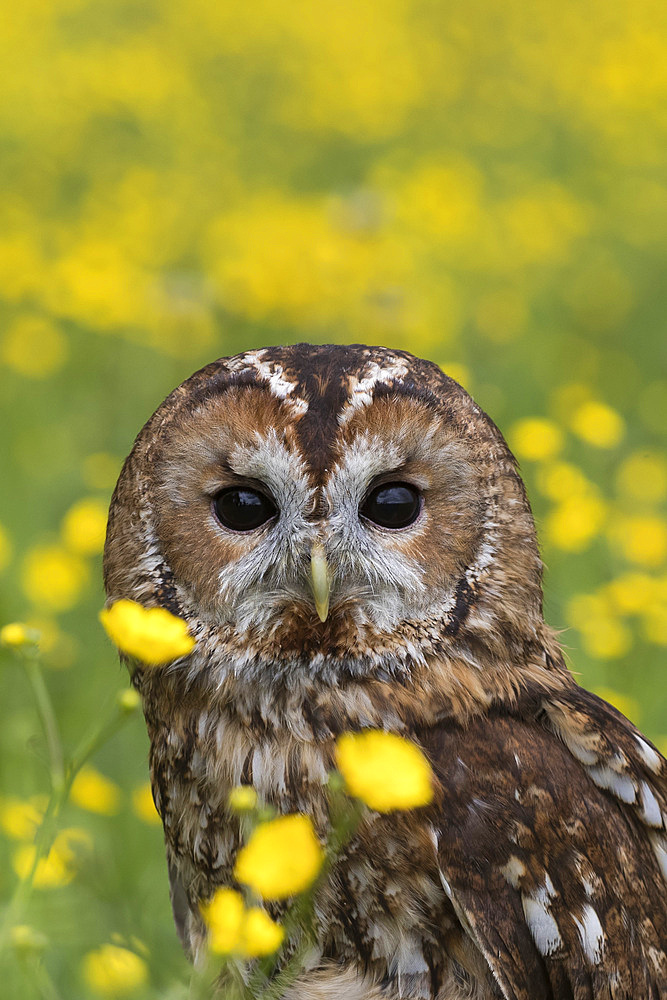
pixel 347 536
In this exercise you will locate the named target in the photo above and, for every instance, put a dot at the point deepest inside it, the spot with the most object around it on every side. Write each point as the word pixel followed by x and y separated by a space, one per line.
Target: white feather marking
pixel 659 845
pixel 361 389
pixel 272 374
pixel 650 812
pixel 445 884
pixel 513 871
pixel 591 934
pixel 581 753
pixel 541 923
pixel 621 785
pixel 651 757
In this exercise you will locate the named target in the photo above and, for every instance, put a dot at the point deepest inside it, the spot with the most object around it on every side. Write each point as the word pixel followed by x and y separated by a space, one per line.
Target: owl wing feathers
pixel 556 871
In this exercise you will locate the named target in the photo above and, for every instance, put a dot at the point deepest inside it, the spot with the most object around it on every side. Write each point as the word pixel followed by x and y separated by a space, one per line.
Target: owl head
pixel 325 505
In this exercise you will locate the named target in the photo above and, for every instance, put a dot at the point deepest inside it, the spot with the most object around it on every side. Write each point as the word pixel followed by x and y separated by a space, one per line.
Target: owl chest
pixel 383 905
pixel 194 768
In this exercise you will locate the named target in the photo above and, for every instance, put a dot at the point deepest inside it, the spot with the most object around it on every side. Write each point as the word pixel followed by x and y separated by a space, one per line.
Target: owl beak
pixel 319 580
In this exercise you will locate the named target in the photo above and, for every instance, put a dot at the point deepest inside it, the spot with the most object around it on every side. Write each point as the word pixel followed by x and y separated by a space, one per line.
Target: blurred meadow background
pixel 482 184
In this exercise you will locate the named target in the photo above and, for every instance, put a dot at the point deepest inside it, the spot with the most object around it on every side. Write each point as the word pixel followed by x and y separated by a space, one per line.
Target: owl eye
pixel 392 505
pixel 243 509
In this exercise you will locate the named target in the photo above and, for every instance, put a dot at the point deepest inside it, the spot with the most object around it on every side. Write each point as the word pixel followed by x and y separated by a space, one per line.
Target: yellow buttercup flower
pixel 53 577
pixel 128 700
pixel 282 857
pixel 112 971
pixel 16 635
pixel 581 608
pixel 643 477
pixel 260 934
pixel 144 806
pixel 84 527
pixel 536 439
pixel 152 635
pixel 598 424
pixel 384 770
pixel 223 915
pixel 243 798
pixel 94 792
pixel 606 638
pixel 233 929
pixel 34 346
pixel 19 818
pixel 59 867
pixel 642 539
pixel 573 524
pixel 631 592
pixel 27 941
pixel 562 480
pixel 654 621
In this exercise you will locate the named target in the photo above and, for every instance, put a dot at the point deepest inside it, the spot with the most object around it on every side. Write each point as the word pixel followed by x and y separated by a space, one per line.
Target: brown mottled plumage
pixel 540 871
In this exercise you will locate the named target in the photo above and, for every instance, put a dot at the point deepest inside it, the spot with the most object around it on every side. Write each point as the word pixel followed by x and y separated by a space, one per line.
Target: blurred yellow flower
pixel 58 649
pixel 100 470
pixel 643 477
pixel 112 971
pixel 282 857
pixel 128 700
pixel 223 916
pixel 630 593
pixel 561 481
pixel 5 549
pixel 605 638
pixel 243 798
pixel 625 703
pixel 460 373
pixel 84 527
pixel 260 934
pixel 93 791
pixel 144 806
pixel 19 818
pixel 53 578
pixel 384 770
pixel 16 634
pixel 642 539
pixel 536 439
pixel 152 635
pixel 34 346
pixel 575 522
pixel 654 621
pixel 598 424
pixel 27 941
pixel 581 608
pixel 233 929
pixel 59 867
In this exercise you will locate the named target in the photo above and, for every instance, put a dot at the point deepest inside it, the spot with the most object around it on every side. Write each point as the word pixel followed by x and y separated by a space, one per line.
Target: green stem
pixel 62 778
pixel 43 982
pixel 48 719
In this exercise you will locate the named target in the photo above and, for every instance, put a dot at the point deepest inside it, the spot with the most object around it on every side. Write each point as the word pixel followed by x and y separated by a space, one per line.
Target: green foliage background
pixel 482 184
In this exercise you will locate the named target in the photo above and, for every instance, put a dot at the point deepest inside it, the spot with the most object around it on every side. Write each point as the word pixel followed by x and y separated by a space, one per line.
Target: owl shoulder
pixel 550 833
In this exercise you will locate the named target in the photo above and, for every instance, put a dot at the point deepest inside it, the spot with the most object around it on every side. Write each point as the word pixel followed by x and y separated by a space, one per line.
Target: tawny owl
pixel 347 535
